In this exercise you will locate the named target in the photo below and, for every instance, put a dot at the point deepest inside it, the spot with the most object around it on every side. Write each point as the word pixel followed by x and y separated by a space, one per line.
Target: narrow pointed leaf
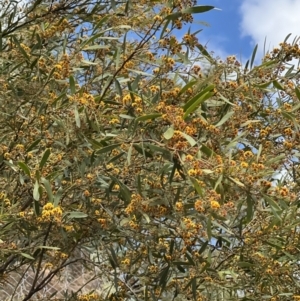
pixel 44 158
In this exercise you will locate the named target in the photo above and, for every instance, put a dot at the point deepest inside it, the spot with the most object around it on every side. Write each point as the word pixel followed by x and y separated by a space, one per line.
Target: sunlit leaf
pixel 76 214
pixel 190 139
pixel 48 189
pixel 36 192
pixel 27 256
pixel 168 134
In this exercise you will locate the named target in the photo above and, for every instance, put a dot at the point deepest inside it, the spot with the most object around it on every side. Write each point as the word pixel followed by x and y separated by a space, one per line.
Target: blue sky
pixel 241 24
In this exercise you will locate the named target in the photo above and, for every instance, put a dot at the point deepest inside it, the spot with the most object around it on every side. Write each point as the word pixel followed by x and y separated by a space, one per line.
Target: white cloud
pixel 270 19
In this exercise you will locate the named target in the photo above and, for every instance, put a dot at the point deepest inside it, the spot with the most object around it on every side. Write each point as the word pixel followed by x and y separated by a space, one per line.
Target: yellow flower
pixel 179 206
pixel 56 211
pixel 114 121
pixel 48 206
pixel 198 206
pixel 86 193
pixel 126 261
pixel 214 205
pixel 244 164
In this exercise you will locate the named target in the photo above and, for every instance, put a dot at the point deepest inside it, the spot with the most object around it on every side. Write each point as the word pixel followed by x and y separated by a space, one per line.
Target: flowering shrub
pixel 116 143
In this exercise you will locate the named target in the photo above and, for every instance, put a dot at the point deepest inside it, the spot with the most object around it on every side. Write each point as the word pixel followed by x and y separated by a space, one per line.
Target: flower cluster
pixel 51 213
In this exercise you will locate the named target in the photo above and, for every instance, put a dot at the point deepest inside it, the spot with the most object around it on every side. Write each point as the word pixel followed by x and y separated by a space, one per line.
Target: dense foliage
pixel 128 150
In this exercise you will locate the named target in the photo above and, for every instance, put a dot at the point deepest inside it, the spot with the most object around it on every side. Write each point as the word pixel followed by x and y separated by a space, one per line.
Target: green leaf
pixel 164 277
pixel 208 227
pixel 36 205
pixel 76 214
pixel 24 167
pixel 139 184
pixel 289 73
pixel 246 66
pixel 190 259
pixel 173 172
pixel 253 56
pixel 193 106
pixel 218 182
pixel 72 84
pixel 174 16
pixel 48 189
pixel 168 134
pixel 207 151
pixel 237 182
pixel 297 91
pixel 49 248
pixel 104 19
pixel 107 149
pixel 129 155
pixel 179 266
pixel 58 196
pixel 219 226
pixel 140 148
pixel 147 218
pixel 296 107
pixel 194 288
pixel 245 264
pixel 36 192
pixel 287 37
pixel 44 158
pixel 198 9
pixel 204 52
pixel 16 41
pixel 196 97
pixel 187 86
pixel 259 152
pixel 113 159
pixel 87 63
pixel 11 165
pixel 141 72
pixel 184 58
pixel 164 28
pixel 33 145
pixel 197 186
pixel 277 85
pixel 96 47
pixel 116 57
pixel 203 247
pixel 27 256
pixel 165 152
pixel 190 140
pixel 250 207
pixel 271 202
pixel 224 118
pixel 113 257
pixel 100 35
pixel 148 117
pixel 287 115
pixel 118 87
pixel 124 116
pixel 77 117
